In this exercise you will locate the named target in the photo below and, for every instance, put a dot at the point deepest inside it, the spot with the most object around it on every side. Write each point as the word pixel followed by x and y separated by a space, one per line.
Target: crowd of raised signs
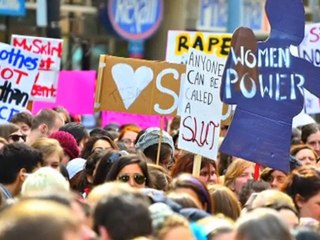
pixel 59 181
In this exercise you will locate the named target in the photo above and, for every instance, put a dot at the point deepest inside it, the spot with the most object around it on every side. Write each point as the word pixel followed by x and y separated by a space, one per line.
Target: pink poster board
pixel 75 92
pixel 143 121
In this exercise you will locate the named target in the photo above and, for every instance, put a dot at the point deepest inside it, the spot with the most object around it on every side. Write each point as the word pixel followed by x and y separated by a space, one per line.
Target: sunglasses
pixel 138 178
pixel 17 137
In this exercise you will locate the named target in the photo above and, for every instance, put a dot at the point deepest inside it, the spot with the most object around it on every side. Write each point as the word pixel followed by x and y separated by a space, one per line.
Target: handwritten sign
pixel 135 19
pixel 138 86
pixel 201 104
pixel 309 49
pixel 266 82
pixel 18 69
pixel 45 86
pixel 179 42
pixel 218 44
pixel 80 101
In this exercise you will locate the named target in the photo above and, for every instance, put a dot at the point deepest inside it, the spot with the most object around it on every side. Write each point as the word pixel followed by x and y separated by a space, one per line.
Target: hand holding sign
pixel 266 83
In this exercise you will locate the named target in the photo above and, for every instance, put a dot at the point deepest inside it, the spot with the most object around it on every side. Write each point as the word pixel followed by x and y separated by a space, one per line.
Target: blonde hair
pixel 236 168
pixel 171 222
pixel 44 179
pixel 48 146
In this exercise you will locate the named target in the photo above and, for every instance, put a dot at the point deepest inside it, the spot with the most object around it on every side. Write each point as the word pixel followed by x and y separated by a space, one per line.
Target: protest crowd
pixel 60 181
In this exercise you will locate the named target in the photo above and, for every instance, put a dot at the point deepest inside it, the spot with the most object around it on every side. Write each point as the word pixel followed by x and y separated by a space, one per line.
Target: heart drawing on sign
pixel 131 83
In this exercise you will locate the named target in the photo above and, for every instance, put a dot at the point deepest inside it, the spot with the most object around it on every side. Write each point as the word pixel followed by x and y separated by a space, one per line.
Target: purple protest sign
pixel 75 92
pixel 266 82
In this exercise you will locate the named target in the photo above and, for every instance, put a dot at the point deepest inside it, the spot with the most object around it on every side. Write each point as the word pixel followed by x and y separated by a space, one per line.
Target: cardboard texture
pixel 138 86
pixel 266 82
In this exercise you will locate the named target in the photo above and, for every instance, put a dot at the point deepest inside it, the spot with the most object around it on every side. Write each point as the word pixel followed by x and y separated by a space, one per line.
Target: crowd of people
pixel 59 181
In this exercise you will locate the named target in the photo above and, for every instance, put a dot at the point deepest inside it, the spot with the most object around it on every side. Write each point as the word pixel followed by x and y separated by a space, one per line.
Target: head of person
pixel 69 145
pixel 217 227
pixel 237 174
pixel 122 215
pixel 280 202
pixel 310 134
pixel 44 123
pixel 184 164
pixel 251 186
pixel 52 152
pixel 148 143
pixel 78 131
pixel 17 160
pixel 159 176
pixel 76 172
pixel 131 169
pixel 305 154
pixel 104 165
pixel 97 143
pixel 303 186
pixel 275 178
pixel 3 142
pixel 24 121
pixel 12 133
pixel 225 201
pixel 37 220
pixel 262 224
pixel 196 188
pixel 44 179
pixel 64 114
pixel 128 135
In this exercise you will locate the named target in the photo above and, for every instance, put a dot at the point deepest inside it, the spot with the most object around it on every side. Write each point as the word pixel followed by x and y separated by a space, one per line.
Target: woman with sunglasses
pixel 131 169
pixel 12 133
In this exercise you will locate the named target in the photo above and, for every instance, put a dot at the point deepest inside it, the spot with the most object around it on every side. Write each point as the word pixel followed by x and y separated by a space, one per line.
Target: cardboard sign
pixel 18 69
pixel 201 104
pixel 266 82
pixel 218 44
pixel 138 86
pixel 45 87
pixel 79 101
pixel 309 49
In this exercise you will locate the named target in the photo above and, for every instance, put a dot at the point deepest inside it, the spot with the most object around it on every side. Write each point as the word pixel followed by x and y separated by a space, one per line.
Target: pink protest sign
pixel 75 92
pixel 143 121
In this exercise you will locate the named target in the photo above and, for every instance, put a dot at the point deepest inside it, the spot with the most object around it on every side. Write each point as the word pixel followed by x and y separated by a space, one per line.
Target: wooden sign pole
pixel 160 140
pixel 196 165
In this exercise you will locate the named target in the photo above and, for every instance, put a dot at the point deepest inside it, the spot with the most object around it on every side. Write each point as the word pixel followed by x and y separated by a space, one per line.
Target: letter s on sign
pixel 162 89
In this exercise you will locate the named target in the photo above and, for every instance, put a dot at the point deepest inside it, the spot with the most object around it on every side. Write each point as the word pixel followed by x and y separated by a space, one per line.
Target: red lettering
pixel 314 32
pixel 43 91
pixel 206 136
pixel 6 73
pixel 46 64
pixel 22 43
pixel 20 74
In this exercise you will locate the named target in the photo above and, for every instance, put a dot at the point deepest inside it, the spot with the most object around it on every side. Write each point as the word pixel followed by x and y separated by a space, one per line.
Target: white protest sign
pixel 201 105
pixel 50 49
pixel 18 70
pixel 309 49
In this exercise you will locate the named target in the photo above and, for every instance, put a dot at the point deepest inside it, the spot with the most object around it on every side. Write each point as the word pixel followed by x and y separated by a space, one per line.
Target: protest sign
pixel 75 93
pixel 309 49
pixel 266 82
pixel 18 69
pixel 138 86
pixel 201 104
pixel 50 49
pixel 218 44
pixel 143 121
